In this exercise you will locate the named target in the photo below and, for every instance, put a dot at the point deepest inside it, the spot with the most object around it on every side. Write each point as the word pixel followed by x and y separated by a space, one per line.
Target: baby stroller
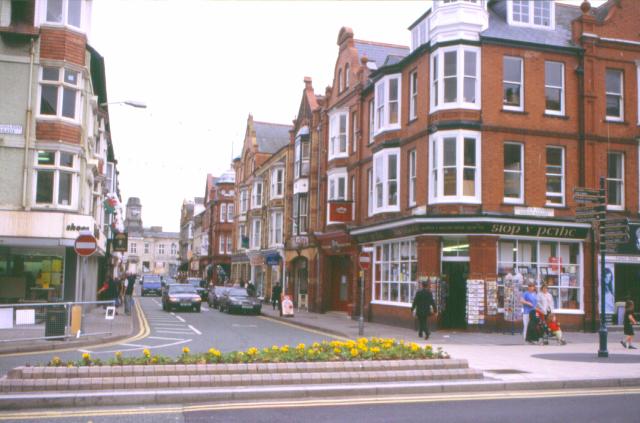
pixel 537 329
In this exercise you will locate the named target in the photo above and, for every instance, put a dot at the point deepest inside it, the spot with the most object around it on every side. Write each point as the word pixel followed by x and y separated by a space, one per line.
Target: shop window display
pixel 34 275
pixel 395 272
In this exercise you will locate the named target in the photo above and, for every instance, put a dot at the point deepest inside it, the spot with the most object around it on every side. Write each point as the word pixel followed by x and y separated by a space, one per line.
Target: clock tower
pixel 133 221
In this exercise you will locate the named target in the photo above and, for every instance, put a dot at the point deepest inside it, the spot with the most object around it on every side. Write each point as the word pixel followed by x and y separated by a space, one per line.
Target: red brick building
pixel 217 223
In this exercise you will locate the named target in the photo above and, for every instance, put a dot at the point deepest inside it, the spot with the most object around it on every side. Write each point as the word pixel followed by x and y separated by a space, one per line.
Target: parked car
pixel 151 284
pixel 200 286
pixel 180 295
pixel 237 299
pixel 213 297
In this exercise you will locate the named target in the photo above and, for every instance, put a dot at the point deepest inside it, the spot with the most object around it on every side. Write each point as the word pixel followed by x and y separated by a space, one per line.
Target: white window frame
pixel 619 95
pixel 241 231
pixel 230 212
pixel 412 177
pixel 383 103
pixel 275 233
pixel 562 177
pixel 229 244
pixel 174 249
pixel 244 201
pixel 561 88
pixel 438 78
pixel 161 249
pixel 336 135
pixel 256 234
pixel 133 248
pixel 277 183
pixel 223 212
pixel 413 95
pixel 64 19
pixel 57 169
pixel 531 10
pixel 61 86
pixel 436 168
pixel 619 181
pixel 370 190
pixel 256 195
pixel 333 184
pixel 419 34
pixel 147 248
pixel 520 83
pixel 221 244
pixel 372 114
pixel 394 271
pixel 347 68
pixel 354 131
pixel 381 174
pixel 520 199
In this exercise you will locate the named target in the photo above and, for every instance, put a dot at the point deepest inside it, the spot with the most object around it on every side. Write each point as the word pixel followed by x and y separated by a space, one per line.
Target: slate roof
pixel 379 52
pixel 560 37
pixel 271 137
pixel 227 177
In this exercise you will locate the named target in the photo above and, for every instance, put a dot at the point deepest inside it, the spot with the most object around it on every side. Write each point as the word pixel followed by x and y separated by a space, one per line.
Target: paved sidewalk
pixel 502 356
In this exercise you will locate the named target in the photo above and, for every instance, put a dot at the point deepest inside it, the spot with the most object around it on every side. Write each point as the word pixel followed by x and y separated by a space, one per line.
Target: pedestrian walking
pixel 545 301
pixel 629 321
pixel 128 294
pixel 423 306
pixel 276 293
pixel 529 303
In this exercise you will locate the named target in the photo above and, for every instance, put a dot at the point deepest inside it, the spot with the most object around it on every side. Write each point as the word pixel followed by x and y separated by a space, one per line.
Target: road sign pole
pixel 602 352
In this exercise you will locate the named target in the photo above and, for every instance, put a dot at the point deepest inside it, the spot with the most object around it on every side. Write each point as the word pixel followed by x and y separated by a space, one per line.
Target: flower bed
pixel 361 349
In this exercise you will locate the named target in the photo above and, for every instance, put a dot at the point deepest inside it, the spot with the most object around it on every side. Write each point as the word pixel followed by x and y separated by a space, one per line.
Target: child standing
pixel 554 328
pixel 629 321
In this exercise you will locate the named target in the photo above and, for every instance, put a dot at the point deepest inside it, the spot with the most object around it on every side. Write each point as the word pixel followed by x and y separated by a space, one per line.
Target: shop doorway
pixel 300 282
pixel 627 283
pixel 339 276
pixel 454 314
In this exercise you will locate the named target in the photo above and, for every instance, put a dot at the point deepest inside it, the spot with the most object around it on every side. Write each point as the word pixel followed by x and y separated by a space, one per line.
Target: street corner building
pixel 58 175
pixel 453 161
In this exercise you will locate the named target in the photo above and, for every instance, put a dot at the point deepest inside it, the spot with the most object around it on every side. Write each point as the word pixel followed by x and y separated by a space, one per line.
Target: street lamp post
pixel 132 103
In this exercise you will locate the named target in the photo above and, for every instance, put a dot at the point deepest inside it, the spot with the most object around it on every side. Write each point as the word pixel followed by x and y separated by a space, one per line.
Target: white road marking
pixel 156 301
pixel 84 351
pixel 237 325
pixel 180 318
pixel 172 313
pixel 185 331
pixel 152 347
pixel 165 339
pixel 205 309
pixel 135 345
pixel 195 330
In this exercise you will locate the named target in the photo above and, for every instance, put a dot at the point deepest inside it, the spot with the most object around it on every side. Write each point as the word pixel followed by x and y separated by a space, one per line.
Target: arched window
pixel 346 76
pixel 339 80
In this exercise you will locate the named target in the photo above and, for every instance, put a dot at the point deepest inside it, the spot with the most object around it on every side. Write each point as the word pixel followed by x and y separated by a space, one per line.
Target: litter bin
pixel 55 323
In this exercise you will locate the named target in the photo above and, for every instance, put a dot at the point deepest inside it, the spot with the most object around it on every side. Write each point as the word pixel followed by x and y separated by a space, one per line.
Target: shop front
pixel 338 273
pixel 477 266
pixel 240 268
pixel 301 264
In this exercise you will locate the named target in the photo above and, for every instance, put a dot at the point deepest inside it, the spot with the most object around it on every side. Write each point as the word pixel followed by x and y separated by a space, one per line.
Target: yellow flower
pixel 362 340
pixel 86 356
pixel 252 351
pixel 275 348
pixel 146 352
pixel 375 350
pixel 354 352
pixel 337 350
pixel 265 350
pixel 315 345
pixel 428 347
pixel 186 350
pixel 301 347
pixel 363 348
pixel 56 361
pixel 154 360
pixel 284 349
pixel 118 355
pixel 415 347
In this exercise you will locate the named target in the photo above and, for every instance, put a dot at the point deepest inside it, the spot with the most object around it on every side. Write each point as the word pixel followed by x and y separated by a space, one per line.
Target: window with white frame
pixel 372 113
pixel 387 100
pixel 456 70
pixel 161 249
pixel 615 90
pixel 556 264
pixel 174 249
pixel 230 212
pixel 301 157
pixel 64 12
pixel 133 248
pixel 337 185
pixel 146 248
pixel 555 176
pixel 354 131
pixel 60 90
pixel 221 244
pixel 346 76
pixel 615 181
pixel 244 200
pixel 57 179
pixel 256 233
pixel 300 213
pixel 412 178
pixel 419 34
pixel 340 86
pixel 455 167
pixel 256 195
pixel 275 234
pixel 277 182
pixel 413 99
pixel 223 212
pixel 395 272
pixel 513 173
pixel 370 189
pixel 386 169
pixel 229 244
pixel 512 77
pixel 554 88
pixel 241 235
pixel 338 134
pixel 535 13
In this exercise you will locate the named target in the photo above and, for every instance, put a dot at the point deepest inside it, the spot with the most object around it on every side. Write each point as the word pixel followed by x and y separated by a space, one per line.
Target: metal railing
pixel 55 321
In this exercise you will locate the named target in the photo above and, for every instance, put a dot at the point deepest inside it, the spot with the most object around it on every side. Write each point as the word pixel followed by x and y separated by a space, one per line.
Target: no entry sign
pixel 85 245
pixel 364 260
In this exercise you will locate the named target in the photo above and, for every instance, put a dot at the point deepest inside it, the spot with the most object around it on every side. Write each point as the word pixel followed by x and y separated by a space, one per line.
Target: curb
pixel 72 344
pixel 195 395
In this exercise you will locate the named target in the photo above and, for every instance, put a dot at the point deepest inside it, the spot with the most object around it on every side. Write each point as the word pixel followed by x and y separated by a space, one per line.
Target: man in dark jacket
pixel 423 305
pixel 276 293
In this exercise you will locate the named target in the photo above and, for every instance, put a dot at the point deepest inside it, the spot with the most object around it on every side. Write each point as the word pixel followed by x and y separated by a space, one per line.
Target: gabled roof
pixel 378 52
pixel 271 137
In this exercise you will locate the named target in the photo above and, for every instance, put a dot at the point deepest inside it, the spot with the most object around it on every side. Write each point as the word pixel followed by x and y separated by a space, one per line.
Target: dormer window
pixel 419 34
pixel 538 13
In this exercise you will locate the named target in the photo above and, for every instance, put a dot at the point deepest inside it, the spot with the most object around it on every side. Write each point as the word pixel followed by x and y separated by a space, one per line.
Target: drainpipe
pixel 318 248
pixel 27 131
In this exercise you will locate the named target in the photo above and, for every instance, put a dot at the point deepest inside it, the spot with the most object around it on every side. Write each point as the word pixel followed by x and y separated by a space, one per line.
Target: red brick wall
pixel 58 131
pixel 62 44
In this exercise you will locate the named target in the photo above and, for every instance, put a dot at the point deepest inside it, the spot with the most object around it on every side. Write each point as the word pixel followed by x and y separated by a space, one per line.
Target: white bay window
pixel 455 167
pixel 256 195
pixel 338 133
pixel 386 170
pixel 275 234
pixel 395 272
pixel 60 93
pixel 277 183
pixel 56 179
pixel 387 101
pixel 455 78
pixel 256 234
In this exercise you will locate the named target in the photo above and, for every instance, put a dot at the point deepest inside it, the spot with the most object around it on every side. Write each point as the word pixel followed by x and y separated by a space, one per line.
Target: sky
pixel 203 66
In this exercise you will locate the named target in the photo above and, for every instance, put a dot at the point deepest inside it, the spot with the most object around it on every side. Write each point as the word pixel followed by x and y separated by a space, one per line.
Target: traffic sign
pixel 364 261
pixel 585 191
pixel 588 198
pixel 610 236
pixel 85 245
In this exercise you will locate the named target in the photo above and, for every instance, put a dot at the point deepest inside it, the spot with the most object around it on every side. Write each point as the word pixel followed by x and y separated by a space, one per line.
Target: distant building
pixel 151 250
pixel 190 209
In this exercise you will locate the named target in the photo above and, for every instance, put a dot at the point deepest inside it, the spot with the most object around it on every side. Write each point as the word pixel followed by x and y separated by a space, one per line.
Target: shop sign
pixel 632 245
pixel 340 211
pixel 300 241
pixel 533 211
pixel 120 242
pixel 10 129
pixel 273 259
pixel 256 260
pixel 76 228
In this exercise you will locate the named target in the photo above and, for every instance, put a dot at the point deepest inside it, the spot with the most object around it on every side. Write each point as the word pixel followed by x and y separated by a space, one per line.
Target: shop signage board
pixel 120 242
pixel 273 259
pixel 340 211
pixel 533 211
pixel 85 245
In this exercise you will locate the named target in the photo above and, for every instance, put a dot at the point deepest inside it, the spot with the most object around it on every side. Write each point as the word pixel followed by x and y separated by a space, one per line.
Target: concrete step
pixel 25 372
pixel 236 380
